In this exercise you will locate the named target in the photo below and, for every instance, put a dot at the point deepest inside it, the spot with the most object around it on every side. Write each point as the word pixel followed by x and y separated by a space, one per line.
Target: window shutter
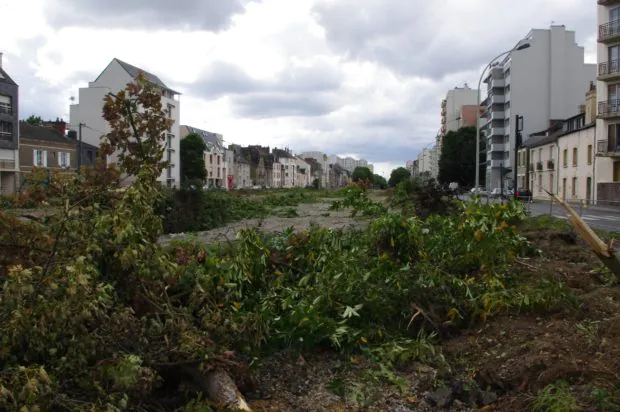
pixel 59 158
pixel 34 157
pixel 68 159
pixel 44 158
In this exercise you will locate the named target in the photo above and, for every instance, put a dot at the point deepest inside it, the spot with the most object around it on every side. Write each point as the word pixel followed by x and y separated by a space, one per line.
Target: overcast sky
pixel 348 77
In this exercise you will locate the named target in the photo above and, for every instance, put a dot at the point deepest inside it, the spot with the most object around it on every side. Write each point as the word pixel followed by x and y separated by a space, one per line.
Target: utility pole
pixel 518 143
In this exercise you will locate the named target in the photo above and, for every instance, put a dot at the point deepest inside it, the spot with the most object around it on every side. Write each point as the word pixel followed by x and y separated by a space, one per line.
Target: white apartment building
pixel 289 167
pixel 451 109
pixel 242 173
pixel 428 161
pixel 87 120
pixel 303 177
pixel 607 160
pixel 323 161
pixel 542 83
pixel 218 159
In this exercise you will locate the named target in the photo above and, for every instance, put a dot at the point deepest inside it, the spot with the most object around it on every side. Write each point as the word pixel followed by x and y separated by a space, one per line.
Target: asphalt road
pixel 602 218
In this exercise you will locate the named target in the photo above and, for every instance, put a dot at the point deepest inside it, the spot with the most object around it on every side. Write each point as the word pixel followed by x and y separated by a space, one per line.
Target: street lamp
pixel 521 46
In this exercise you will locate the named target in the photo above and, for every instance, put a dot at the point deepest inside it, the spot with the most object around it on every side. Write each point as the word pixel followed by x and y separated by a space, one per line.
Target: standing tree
pixel 361 174
pixel 379 181
pixel 398 175
pixel 457 162
pixel 34 120
pixel 192 158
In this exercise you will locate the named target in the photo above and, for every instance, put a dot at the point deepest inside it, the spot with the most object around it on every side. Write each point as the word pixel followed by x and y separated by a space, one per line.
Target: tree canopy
pixel 192 158
pixel 379 181
pixel 398 175
pixel 457 161
pixel 361 173
pixel 34 120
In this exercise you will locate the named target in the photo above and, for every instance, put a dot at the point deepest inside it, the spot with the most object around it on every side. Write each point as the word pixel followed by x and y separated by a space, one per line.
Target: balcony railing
pixel 539 166
pixel 550 164
pixel 7 164
pixel 609 68
pixel 609 30
pixel 444 103
pixel 604 146
pixel 6 109
pixel 609 108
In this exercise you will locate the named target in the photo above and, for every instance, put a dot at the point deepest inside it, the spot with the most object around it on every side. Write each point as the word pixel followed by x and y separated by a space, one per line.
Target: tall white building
pixel 543 83
pixel 428 161
pixel 607 171
pixel 87 120
pixel 451 107
pixel 323 160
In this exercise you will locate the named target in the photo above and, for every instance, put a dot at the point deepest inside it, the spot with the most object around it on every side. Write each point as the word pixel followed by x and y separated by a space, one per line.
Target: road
pixel 602 218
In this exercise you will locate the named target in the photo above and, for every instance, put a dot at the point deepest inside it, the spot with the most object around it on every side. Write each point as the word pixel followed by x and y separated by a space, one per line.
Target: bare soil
pixel 307 214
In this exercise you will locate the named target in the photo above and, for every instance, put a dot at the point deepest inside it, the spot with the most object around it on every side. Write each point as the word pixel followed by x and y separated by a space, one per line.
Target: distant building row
pixel 227 167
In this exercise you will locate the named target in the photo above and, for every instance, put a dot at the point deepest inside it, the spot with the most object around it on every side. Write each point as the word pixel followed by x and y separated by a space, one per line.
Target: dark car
pixel 524 195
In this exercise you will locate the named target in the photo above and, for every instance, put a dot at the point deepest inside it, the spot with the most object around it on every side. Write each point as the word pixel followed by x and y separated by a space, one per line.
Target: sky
pixel 363 78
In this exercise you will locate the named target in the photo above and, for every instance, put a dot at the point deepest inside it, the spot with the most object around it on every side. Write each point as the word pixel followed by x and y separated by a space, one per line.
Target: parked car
pixel 498 193
pixel 478 191
pixel 524 195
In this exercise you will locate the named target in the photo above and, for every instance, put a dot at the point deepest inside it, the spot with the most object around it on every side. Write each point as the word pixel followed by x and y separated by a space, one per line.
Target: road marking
pixel 594 218
pixel 611 217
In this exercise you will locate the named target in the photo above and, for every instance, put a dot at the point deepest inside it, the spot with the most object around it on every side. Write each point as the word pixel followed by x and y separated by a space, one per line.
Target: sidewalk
pixel 577 206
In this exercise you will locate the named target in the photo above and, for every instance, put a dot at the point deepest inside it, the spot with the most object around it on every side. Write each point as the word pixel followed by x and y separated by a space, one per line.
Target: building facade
pixel 428 162
pixel 45 147
pixel 218 159
pixel 9 133
pixel 608 110
pixel 451 113
pixel 543 83
pixel 86 116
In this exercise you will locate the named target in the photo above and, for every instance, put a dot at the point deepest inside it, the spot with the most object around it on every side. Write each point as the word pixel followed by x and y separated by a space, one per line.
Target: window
pixel 210 159
pixel 613 56
pixel 218 160
pixel 64 159
pixel 540 154
pixel 589 154
pixel 540 182
pixel 574 156
pixel 6 131
pixel 6 107
pixel 39 158
pixel 574 188
pixel 89 156
pixel 565 157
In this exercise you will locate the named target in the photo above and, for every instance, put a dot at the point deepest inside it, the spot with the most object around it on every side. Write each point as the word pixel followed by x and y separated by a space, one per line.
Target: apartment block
pixel 544 83
pixel 452 115
pixel 428 162
pixel 608 110
pixel 87 121
pixel 218 159
pixel 9 133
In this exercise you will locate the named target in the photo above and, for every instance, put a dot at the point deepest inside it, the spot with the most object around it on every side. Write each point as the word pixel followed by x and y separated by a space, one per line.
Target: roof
pixel 133 71
pixel 211 139
pixel 5 78
pixel 47 134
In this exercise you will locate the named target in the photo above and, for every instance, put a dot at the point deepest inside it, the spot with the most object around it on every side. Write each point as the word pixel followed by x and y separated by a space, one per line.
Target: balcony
pixel 606 148
pixel 550 165
pixel 443 112
pixel 496 147
pixel 498 115
pixel 497 99
pixel 443 120
pixel 500 83
pixel 609 70
pixel 495 163
pixel 609 109
pixel 7 164
pixel 608 2
pixel 444 103
pixel 539 166
pixel 497 131
pixel 609 32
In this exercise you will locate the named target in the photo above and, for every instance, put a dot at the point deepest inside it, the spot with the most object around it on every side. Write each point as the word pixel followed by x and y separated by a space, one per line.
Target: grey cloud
pixel 435 38
pixel 299 90
pixel 266 105
pixel 209 15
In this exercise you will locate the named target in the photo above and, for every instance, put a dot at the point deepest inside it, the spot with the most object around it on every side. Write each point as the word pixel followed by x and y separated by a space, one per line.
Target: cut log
pixel 221 389
pixel 605 252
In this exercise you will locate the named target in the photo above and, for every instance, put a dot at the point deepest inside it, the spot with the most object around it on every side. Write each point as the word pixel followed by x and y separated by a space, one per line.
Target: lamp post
pixel 516 48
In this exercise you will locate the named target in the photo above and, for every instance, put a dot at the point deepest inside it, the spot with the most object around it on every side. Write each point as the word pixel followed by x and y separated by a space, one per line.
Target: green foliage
pixel 192 159
pixel 379 181
pixel 362 174
pixel 356 198
pixel 457 161
pixel 421 196
pixel 34 120
pixel 398 175
pixel 556 398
